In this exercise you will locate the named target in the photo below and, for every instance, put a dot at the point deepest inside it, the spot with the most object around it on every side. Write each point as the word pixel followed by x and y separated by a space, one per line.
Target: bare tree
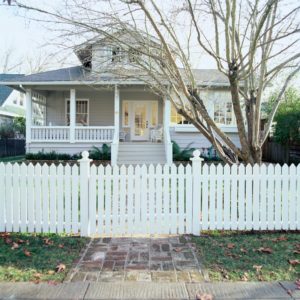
pixel 8 61
pixel 252 42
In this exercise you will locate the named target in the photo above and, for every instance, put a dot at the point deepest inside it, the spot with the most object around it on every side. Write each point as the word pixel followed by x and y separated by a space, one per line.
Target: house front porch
pixel 76 119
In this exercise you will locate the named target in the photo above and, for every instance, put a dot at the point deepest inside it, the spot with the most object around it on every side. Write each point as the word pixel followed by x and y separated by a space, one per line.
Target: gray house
pixel 72 109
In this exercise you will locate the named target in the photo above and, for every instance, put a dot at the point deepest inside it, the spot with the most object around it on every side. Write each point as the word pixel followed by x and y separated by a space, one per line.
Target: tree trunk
pixel 257 155
pixel 234 89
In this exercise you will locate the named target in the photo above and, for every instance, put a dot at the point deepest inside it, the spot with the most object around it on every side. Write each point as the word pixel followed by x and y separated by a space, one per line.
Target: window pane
pixel 228 113
pixel 177 118
pixel 154 114
pixel 223 113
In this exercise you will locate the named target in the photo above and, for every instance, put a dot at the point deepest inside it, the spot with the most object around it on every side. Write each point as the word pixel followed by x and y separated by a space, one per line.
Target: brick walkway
pixel 137 259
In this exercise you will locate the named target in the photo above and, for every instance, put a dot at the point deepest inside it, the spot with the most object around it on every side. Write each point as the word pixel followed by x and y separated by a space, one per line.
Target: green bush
pixel 100 154
pixel 48 156
pixel 287 118
pixel 182 155
pixel 19 125
pixel 95 153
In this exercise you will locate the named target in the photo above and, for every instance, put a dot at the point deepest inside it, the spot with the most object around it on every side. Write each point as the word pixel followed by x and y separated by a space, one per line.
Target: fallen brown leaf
pixel 230 246
pixel 204 296
pixel 61 246
pixel 280 239
pixel 26 252
pixel 4 234
pixel 37 275
pixel 51 272
pixel 243 250
pixel 14 246
pixel 245 277
pixel 294 262
pixel 60 268
pixel 19 241
pixel 178 249
pixel 296 252
pixel 257 268
pixel 260 277
pixel 8 241
pixel 48 242
pixel 265 250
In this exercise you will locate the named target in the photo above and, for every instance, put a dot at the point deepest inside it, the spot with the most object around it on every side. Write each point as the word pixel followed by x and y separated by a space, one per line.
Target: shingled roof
pixel 80 74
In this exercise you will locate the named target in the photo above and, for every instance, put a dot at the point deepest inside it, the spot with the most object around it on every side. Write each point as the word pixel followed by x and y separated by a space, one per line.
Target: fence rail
pixel 151 199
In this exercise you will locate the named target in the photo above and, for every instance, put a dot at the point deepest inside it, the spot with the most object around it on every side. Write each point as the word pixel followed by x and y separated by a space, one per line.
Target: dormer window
pixel 116 55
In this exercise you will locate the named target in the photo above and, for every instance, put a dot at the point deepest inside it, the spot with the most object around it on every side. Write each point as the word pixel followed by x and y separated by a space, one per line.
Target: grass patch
pixel 19 158
pixel 34 257
pixel 233 256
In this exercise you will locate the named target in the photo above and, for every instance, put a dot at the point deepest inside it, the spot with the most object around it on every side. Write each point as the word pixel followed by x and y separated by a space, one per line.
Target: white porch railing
pixel 50 133
pixel 62 134
pixel 91 134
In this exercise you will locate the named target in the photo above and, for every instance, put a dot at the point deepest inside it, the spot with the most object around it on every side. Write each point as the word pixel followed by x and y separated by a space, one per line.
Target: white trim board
pixel 192 128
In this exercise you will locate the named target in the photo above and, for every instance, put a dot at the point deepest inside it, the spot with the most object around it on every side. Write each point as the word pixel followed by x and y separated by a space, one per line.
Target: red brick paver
pixel 138 259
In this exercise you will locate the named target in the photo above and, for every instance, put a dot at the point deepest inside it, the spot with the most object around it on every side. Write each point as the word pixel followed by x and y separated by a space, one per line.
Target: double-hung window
pixel 82 112
pixel 223 113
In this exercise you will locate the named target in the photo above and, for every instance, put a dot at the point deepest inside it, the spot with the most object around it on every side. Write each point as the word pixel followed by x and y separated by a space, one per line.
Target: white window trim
pixel 192 128
pixel 88 109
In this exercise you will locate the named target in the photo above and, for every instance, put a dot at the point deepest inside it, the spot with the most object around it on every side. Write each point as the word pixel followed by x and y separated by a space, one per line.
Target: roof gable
pixel 5 91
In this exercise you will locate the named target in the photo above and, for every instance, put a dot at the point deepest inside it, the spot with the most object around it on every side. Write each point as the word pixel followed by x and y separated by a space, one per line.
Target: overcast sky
pixel 28 40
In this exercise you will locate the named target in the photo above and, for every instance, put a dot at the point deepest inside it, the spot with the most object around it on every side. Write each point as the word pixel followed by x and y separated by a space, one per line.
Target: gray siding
pixel 101 107
pixel 196 139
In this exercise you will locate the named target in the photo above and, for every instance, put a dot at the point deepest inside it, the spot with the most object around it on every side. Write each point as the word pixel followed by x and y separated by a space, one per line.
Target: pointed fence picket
pixel 126 200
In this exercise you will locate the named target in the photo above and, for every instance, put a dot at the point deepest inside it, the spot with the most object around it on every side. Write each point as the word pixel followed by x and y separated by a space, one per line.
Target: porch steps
pixel 141 153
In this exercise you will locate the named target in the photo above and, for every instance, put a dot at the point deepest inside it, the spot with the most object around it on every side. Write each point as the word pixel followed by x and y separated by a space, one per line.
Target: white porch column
pixel 117 109
pixel 167 113
pixel 28 116
pixel 72 115
pixel 167 138
pixel 115 143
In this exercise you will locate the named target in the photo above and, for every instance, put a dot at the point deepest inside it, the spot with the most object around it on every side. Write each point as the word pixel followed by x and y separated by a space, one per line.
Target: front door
pixel 140 130
pixel 140 117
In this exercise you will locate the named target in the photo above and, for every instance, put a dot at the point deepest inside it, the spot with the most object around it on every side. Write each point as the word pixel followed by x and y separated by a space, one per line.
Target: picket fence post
pixel 84 170
pixel 196 198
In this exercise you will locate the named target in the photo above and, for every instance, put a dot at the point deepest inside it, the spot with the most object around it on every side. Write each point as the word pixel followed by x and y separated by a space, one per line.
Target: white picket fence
pixel 148 199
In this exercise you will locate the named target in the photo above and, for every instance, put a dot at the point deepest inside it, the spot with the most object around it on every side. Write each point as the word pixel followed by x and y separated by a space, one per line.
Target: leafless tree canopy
pixel 251 43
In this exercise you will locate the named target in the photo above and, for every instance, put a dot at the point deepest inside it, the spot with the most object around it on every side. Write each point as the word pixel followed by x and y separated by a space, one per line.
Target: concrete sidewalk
pixel 151 290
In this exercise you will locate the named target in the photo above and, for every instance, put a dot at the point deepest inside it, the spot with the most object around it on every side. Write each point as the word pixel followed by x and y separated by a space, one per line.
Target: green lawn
pixel 35 257
pixel 250 256
pixel 19 158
